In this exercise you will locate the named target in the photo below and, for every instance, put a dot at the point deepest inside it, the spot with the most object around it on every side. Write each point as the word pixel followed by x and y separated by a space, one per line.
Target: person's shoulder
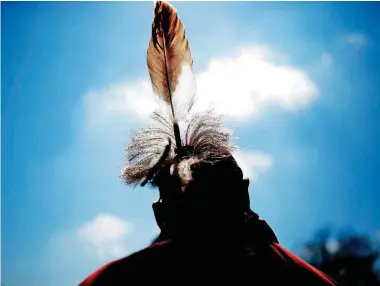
pixel 127 268
pixel 303 271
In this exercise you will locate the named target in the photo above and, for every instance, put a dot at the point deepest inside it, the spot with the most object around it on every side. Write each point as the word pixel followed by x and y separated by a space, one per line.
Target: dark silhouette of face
pixel 213 191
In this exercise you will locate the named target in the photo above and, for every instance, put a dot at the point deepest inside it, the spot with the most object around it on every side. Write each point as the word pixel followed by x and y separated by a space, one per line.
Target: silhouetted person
pixel 208 235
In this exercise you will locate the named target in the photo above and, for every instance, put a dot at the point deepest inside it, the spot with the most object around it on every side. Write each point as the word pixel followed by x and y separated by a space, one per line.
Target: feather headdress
pixel 202 139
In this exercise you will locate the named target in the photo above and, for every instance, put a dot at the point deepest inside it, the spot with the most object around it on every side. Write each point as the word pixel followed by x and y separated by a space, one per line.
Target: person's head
pixel 195 191
pixel 197 176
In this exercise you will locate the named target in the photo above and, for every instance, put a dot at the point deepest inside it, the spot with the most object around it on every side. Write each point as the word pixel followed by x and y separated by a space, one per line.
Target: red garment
pixel 261 260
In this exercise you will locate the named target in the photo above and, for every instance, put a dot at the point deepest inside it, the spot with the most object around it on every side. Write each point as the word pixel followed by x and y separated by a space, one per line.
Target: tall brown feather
pixel 168 51
pixel 152 148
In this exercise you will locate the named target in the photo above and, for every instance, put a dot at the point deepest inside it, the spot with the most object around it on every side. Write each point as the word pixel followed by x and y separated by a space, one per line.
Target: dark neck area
pixel 212 224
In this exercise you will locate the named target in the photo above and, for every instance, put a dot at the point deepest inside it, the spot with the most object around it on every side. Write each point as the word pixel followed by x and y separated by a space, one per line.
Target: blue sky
pixel 301 83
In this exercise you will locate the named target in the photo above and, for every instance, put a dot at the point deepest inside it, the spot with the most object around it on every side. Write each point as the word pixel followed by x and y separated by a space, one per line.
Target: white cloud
pixel 357 40
pixel 240 87
pixel 254 163
pixel 105 234
pixel 125 101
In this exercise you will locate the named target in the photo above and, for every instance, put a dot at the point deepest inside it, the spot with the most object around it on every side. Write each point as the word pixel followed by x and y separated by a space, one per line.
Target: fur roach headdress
pixel 166 146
